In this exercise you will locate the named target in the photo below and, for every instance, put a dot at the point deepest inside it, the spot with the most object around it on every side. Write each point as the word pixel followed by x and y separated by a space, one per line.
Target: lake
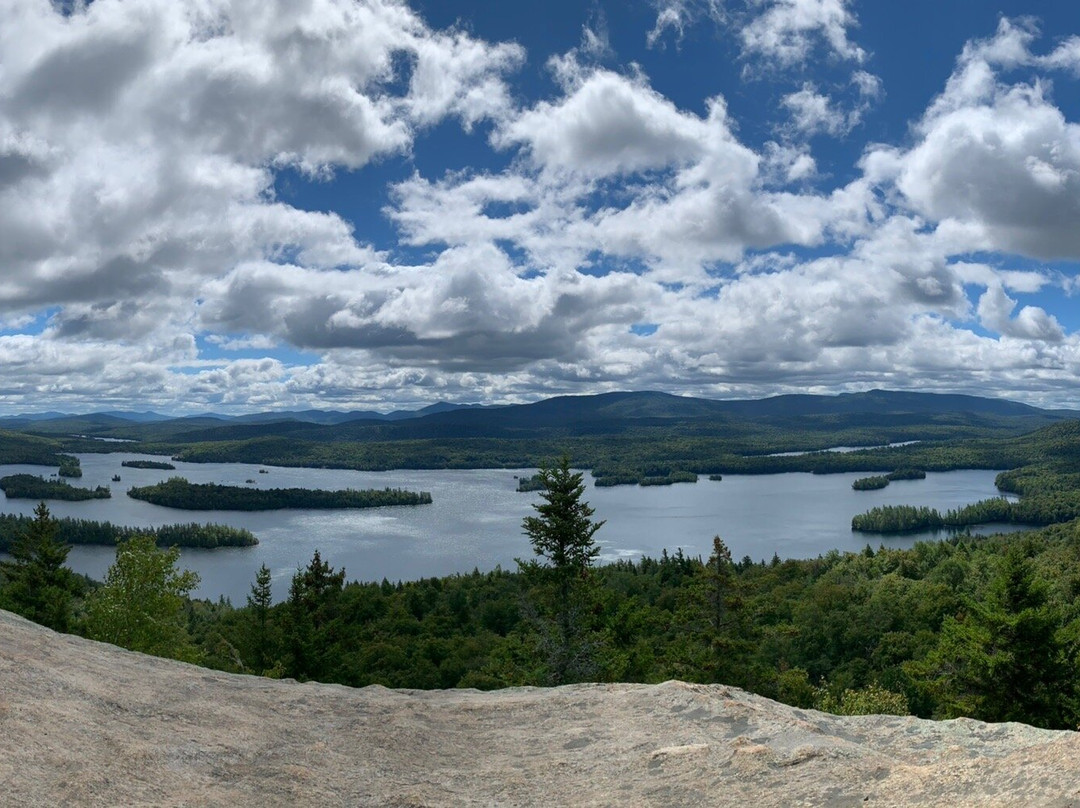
pixel 475 520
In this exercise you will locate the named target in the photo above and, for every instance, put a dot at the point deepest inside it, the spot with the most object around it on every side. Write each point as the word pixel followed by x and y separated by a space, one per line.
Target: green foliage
pixel 1004 658
pixel 310 616
pixel 897 519
pixel 793 687
pixel 262 641
pixel 204 536
pixel 530 483
pixel 28 486
pixel 870 700
pixel 879 631
pixel 176 492
pixel 35 583
pixel 906 474
pixel 84 531
pixel 870 483
pixel 1043 509
pixel 670 479
pixel 562 532
pixel 27 449
pixel 141 605
pixel 667 477
pixel 623 451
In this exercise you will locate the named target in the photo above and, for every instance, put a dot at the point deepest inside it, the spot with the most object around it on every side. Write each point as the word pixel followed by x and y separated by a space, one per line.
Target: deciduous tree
pixel 141 605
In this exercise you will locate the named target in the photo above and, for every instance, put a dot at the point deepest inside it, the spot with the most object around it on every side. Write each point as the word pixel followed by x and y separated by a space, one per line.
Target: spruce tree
pixel 36 584
pixel 1004 659
pixel 309 614
pixel 562 535
pixel 259 602
pixel 562 532
pixel 719 576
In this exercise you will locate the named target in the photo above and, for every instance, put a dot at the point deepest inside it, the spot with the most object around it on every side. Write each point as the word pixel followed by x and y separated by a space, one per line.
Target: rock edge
pixel 84 723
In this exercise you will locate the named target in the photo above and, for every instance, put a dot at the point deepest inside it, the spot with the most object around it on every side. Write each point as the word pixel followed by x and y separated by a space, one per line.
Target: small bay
pixel 475 519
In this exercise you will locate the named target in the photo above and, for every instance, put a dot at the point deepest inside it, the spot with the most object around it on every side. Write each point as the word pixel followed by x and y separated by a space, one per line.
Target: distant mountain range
pixel 61 421
pixel 588 414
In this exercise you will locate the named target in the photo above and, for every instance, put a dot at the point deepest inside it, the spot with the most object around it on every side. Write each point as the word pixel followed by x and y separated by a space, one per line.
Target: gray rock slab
pixel 83 723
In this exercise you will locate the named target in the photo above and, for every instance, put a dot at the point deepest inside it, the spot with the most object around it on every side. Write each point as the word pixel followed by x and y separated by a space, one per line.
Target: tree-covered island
pixel 177 492
pixel 148 464
pixel 69 466
pixel 29 486
pixel 86 531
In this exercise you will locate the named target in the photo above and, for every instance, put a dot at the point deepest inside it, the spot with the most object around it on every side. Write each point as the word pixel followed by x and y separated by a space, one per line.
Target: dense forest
pixel 530 483
pixel 623 438
pixel 29 486
pixel 626 458
pixel 177 492
pixel 86 531
pixel 633 452
pixel 16 447
pixel 880 481
pixel 1032 510
pixel 987 628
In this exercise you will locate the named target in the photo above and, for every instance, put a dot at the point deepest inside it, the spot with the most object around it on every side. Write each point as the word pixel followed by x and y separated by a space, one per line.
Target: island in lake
pixel 69 466
pixel 881 481
pixel 28 486
pixel 148 464
pixel 177 492
pixel 86 531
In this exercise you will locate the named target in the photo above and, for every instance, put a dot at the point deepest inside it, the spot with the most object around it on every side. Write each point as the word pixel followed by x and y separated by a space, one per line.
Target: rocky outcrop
pixel 83 723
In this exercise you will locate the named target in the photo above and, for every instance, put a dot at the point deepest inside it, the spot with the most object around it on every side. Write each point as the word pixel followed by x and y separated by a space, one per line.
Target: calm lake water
pixel 475 520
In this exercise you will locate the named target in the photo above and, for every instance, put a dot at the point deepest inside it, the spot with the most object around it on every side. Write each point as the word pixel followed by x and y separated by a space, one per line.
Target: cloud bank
pixel 148 261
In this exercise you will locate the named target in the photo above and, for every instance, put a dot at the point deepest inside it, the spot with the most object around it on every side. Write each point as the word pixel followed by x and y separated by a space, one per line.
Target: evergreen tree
pixel 141 605
pixel 710 615
pixel 563 531
pixel 259 603
pixel 1004 660
pixel 562 534
pixel 36 584
pixel 719 577
pixel 309 614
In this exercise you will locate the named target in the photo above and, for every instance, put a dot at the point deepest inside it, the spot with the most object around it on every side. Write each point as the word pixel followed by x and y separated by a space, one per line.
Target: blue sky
pixel 242 206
